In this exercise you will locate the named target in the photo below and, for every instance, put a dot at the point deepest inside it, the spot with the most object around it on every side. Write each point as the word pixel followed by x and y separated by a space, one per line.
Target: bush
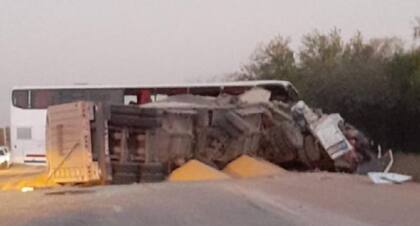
pixel 374 84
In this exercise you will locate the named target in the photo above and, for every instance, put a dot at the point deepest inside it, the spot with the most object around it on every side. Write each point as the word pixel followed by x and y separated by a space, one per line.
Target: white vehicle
pixel 5 160
pixel 29 106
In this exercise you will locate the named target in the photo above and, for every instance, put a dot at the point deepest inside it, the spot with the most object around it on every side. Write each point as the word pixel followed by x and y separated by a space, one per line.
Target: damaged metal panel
pixel 326 129
pixel 69 147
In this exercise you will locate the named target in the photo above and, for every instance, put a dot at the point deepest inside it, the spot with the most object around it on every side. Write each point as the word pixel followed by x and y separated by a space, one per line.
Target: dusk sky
pixel 137 42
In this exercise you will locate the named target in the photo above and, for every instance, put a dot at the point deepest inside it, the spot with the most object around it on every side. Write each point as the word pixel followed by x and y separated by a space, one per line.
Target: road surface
pixel 290 199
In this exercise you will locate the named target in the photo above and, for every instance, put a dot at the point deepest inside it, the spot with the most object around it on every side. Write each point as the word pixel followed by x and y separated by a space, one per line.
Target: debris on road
pixel 247 167
pixel 36 180
pixel 27 189
pixel 194 170
pixel 122 144
pixel 388 178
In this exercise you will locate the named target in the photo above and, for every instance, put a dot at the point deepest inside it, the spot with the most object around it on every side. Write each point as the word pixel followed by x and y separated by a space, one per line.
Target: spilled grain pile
pixel 194 170
pixel 246 167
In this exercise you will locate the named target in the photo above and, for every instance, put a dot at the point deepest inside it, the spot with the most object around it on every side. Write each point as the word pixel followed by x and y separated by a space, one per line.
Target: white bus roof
pixel 151 86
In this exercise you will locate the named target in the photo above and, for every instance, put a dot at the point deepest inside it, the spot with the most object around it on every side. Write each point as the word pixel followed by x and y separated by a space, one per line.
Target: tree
pixel 318 60
pixel 273 61
pixel 374 84
pixel 416 28
pixel 405 71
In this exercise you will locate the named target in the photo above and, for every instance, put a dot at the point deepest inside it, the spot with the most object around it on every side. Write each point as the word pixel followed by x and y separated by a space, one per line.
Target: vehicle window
pixel 130 99
pixel 24 133
pixel 70 95
pixel 115 96
pixel 41 99
pixel 96 95
pixel 20 98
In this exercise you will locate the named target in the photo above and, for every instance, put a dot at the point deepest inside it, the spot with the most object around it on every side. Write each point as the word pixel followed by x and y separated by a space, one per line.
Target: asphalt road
pixel 294 199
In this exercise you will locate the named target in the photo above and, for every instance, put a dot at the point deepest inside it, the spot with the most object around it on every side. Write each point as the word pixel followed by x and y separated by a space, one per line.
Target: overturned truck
pixel 96 142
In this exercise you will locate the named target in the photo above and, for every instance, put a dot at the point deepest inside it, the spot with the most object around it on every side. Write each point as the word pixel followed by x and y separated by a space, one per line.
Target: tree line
pixel 374 84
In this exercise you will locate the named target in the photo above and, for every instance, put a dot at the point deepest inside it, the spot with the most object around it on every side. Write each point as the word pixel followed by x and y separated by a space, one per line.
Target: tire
pixel 150 168
pixel 126 167
pixel 147 178
pixel 124 178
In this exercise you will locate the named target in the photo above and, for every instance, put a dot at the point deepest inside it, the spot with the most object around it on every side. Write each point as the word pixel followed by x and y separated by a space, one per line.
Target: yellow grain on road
pixel 247 167
pixel 194 170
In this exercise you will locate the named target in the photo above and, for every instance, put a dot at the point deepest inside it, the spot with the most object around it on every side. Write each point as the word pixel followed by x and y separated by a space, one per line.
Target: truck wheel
pixel 152 177
pixel 154 167
pixel 124 178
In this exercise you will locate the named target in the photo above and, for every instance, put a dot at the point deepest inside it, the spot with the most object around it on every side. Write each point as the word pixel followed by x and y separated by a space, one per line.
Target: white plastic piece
pixel 388 178
pixel 391 162
pixel 27 189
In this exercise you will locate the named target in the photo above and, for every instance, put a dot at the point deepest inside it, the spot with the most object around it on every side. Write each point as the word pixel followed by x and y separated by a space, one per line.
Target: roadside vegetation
pixel 374 84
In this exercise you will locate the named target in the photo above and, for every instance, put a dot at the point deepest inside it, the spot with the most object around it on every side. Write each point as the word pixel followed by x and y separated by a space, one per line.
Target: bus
pixel 29 106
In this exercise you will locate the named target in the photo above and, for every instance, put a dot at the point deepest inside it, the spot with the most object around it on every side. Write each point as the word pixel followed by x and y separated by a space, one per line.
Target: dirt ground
pixel 19 171
pixel 19 175
pixel 289 199
pixel 407 163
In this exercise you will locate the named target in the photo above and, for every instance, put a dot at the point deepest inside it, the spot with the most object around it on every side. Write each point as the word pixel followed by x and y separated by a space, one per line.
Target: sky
pixel 156 41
